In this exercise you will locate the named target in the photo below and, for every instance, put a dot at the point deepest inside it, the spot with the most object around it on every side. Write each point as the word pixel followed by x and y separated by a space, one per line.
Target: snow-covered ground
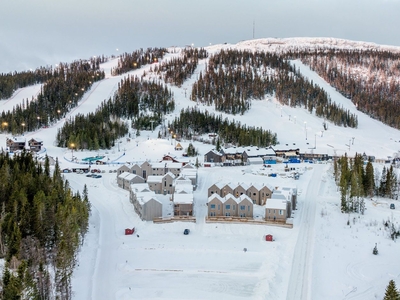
pixel 321 257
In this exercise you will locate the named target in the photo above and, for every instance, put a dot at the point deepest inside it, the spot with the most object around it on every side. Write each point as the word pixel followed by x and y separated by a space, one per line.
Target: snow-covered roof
pixel 255 151
pixel 37 140
pixel 140 187
pixel 18 139
pixel 154 179
pixel 183 198
pixel 275 204
pixel 146 197
pixel 130 176
pixel 244 197
pixel 230 196
pixel 215 152
pixel 124 174
pixel 243 185
pixel 259 186
pixel 170 174
pixel 233 150
pixel 255 159
pixel 215 196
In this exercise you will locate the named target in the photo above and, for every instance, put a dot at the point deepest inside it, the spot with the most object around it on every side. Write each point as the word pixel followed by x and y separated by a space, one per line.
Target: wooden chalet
pixel 35 144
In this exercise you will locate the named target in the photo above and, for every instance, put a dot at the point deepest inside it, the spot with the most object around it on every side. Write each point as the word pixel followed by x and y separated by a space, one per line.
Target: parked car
pixel 89 175
pixel 96 176
pixel 392 206
pixel 186 231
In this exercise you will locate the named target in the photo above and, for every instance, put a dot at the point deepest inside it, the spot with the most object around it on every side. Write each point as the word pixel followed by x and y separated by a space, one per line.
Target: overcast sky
pixel 43 32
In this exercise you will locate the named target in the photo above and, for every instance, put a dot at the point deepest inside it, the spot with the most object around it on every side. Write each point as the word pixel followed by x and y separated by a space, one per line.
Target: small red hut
pixel 129 231
pixel 269 238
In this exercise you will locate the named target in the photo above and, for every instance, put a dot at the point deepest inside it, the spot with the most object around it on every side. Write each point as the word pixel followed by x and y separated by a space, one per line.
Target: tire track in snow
pixel 300 278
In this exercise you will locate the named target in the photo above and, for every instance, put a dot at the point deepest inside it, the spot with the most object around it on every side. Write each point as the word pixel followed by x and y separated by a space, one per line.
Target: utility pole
pixel 152 121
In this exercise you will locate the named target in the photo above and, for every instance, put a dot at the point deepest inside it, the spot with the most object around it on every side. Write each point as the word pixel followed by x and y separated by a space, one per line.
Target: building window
pixel 212 206
pixel 212 192
pixel 228 206
pixel 234 207
pixel 280 212
pixel 254 194
pixel 219 207
pixel 242 207
pixel 248 208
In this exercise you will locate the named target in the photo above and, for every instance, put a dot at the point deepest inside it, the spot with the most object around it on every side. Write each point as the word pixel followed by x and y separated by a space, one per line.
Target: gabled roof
pixel 276 204
pixel 17 139
pixel 36 140
pixel 169 174
pixel 244 197
pixel 253 151
pixel 154 179
pixel 230 196
pixel 140 187
pixel 183 198
pixel 123 175
pixel 215 196
pixel 245 186
pixel 213 151
pixel 259 186
pixel 233 150
pixel 131 176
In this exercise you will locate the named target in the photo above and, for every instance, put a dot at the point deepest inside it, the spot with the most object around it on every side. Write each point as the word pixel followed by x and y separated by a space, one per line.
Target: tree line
pixel 356 182
pixel 42 225
pixel 192 122
pixel 56 98
pixel 370 78
pixel 144 102
pixel 177 70
pixel 234 77
pixel 135 60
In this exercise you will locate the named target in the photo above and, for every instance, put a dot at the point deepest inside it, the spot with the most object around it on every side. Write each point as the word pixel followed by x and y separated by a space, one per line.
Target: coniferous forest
pixel 357 182
pixel 368 78
pixel 42 225
pixel 59 94
pixel 193 122
pixel 233 78
pixel 143 102
pixel 135 60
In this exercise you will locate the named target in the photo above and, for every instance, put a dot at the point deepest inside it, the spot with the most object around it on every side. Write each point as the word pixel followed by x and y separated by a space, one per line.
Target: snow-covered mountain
pixel 320 258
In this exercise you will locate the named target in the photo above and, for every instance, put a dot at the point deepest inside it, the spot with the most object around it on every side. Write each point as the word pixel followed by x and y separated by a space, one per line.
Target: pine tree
pixel 369 180
pixel 391 292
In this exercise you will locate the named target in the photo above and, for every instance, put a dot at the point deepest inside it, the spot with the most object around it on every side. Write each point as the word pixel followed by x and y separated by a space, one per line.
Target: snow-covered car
pixel 392 206
pixel 186 231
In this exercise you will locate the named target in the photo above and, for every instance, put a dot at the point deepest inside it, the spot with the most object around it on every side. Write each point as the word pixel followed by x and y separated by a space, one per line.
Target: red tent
pixel 269 238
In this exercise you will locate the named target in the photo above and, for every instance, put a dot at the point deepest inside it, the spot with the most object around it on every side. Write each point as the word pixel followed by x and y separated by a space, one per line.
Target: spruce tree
pixel 391 291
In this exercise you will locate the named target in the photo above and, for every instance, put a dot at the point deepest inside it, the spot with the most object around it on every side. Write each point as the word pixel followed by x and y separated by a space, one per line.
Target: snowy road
pixel 300 277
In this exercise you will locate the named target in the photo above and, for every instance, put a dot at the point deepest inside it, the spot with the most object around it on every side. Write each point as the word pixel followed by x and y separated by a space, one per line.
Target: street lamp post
pixel 23 128
pixel 72 151
pixel 4 124
pixel 315 145
pixel 305 128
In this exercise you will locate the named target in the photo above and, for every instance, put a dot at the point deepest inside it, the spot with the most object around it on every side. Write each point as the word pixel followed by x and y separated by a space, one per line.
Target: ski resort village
pixel 247 174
